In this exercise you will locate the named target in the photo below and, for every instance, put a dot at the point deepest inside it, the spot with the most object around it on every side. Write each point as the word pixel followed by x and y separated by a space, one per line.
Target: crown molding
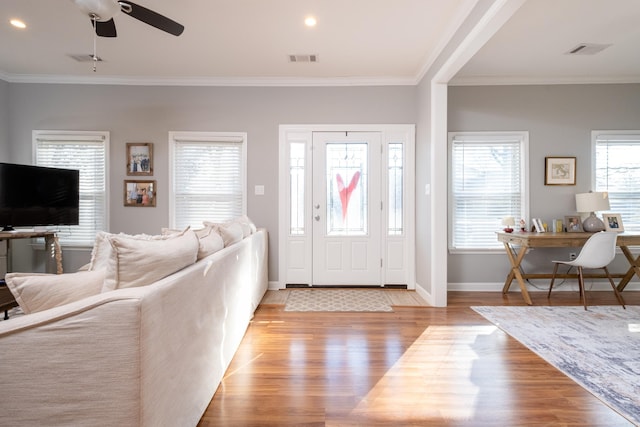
pixel 207 81
pixel 546 80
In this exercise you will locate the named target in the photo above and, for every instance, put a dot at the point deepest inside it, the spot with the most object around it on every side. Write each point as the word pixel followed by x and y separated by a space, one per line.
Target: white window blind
pixel 87 152
pixel 617 171
pixel 487 183
pixel 208 177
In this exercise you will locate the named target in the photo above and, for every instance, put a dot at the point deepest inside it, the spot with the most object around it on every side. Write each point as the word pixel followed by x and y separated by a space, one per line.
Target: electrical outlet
pixel 572 256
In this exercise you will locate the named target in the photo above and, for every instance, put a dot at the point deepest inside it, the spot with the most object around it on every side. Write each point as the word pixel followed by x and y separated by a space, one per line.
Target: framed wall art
pixel 139 158
pixel 612 222
pixel 559 171
pixel 140 193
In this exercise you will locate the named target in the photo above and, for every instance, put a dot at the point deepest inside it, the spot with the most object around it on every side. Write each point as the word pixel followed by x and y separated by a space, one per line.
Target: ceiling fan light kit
pixel 102 12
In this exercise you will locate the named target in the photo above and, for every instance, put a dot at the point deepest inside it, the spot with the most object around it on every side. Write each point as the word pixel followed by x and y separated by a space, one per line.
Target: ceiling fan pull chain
pixel 95 37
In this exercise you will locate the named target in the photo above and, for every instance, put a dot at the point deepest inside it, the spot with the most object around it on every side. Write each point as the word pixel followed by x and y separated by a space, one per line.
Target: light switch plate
pixel 259 190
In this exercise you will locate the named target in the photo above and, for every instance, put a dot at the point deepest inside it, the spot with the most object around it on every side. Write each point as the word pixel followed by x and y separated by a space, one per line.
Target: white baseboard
pixel 424 294
pixel 542 286
pixel 274 286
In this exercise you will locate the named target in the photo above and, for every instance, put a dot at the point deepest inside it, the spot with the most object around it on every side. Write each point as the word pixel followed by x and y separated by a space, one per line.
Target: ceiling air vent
pixel 587 49
pixel 84 57
pixel 303 58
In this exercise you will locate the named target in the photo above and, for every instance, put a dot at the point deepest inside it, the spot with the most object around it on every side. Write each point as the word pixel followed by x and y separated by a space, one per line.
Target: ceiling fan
pixel 101 13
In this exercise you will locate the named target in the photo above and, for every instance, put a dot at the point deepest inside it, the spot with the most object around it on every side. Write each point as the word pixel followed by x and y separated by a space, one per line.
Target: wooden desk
pixel 528 240
pixel 52 247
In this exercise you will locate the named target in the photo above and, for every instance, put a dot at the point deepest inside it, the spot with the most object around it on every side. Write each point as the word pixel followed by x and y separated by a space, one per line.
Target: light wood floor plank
pixel 417 366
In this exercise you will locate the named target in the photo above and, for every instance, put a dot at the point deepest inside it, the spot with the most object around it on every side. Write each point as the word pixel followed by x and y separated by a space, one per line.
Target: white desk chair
pixel 597 252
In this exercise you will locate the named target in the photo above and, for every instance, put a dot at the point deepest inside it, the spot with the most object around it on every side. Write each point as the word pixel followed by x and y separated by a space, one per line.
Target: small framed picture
pixel 612 222
pixel 140 193
pixel 139 158
pixel 573 223
pixel 560 171
pixel 538 225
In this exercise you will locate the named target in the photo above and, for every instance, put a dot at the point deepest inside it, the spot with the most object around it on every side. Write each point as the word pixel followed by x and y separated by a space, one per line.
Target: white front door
pixel 347 205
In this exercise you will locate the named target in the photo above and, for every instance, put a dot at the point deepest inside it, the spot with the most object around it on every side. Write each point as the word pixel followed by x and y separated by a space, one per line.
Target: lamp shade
pixel 509 221
pixel 592 202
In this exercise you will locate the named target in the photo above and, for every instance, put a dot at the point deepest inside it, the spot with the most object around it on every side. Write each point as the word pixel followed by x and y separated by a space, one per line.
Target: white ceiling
pixel 357 42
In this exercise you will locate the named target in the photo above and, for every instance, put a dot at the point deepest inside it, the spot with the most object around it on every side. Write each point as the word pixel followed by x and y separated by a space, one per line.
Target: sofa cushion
pixel 141 260
pixel 231 232
pixel 36 292
pixel 210 242
pixel 248 227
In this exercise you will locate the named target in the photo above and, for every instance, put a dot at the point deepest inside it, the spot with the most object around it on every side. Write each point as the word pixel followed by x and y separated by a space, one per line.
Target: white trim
pixel 89 136
pixel 211 81
pixel 538 81
pixel 176 136
pixel 470 137
pixel 633 135
pixel 439 192
pixel 485 27
pixel 542 286
pixel 305 132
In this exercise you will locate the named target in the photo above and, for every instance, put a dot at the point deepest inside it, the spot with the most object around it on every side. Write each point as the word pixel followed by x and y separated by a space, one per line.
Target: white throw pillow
pixel 102 250
pixel 36 292
pixel 231 232
pixel 248 227
pixel 210 242
pixel 142 260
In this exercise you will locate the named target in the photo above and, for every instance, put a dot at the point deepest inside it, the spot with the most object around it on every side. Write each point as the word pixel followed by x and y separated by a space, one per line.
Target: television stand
pixel 52 247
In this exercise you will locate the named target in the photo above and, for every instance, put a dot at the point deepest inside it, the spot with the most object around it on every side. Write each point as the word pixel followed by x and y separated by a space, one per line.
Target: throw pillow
pixel 140 261
pixel 36 292
pixel 231 232
pixel 209 242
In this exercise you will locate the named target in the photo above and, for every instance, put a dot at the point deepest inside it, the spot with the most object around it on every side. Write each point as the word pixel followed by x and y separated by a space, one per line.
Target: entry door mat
pixel 598 348
pixel 357 300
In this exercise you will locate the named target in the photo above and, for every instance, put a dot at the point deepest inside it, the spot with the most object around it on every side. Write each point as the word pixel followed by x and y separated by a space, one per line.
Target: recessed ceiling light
pixel 310 21
pixel 18 23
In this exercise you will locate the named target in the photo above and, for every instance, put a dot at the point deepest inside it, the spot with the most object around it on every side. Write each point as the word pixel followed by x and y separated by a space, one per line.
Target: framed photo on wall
pixel 140 193
pixel 559 171
pixel 139 158
pixel 612 222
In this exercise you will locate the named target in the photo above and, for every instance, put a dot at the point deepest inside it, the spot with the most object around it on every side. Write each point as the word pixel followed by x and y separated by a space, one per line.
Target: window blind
pixel 208 179
pixel 486 184
pixel 617 171
pixel 86 152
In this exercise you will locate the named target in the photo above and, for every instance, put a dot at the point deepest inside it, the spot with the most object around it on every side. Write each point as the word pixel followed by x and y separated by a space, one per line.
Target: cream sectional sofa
pixel 149 355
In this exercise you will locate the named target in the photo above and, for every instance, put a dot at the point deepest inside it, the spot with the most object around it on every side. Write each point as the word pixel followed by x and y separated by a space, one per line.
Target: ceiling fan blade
pixel 106 28
pixel 152 18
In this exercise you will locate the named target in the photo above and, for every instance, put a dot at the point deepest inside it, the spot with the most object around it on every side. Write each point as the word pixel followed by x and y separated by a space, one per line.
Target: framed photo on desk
pixel 612 222
pixel 574 224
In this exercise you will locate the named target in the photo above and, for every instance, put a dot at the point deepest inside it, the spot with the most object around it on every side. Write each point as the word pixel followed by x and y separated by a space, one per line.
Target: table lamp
pixel 508 222
pixel 592 202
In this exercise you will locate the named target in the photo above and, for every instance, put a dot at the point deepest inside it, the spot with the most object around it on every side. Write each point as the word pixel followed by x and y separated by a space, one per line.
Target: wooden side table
pixel 7 301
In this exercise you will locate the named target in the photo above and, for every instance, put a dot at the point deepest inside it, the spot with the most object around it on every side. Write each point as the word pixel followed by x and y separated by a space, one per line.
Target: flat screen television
pixel 32 196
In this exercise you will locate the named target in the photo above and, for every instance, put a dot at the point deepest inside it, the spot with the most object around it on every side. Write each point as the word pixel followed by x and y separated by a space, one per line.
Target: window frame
pixel 204 138
pixel 632 136
pixel 482 136
pixel 79 136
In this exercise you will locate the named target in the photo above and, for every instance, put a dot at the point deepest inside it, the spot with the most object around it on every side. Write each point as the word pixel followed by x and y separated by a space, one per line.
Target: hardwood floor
pixel 417 366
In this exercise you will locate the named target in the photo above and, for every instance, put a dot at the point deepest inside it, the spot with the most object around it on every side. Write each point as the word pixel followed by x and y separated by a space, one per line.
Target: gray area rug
pixel 598 348
pixel 360 300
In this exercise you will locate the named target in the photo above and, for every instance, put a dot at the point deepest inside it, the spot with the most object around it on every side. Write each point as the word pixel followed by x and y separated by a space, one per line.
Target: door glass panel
pixel 347 182
pixel 396 189
pixel 296 187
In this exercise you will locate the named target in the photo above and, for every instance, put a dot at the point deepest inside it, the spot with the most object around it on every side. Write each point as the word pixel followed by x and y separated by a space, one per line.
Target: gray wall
pixel 147 114
pixel 4 121
pixel 559 119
